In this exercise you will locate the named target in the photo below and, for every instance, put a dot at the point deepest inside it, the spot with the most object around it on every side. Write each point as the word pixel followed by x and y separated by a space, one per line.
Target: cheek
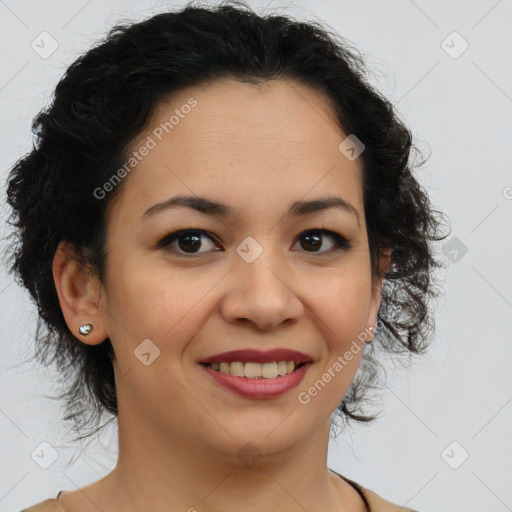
pixel 342 309
pixel 156 304
pixel 342 312
pixel 342 300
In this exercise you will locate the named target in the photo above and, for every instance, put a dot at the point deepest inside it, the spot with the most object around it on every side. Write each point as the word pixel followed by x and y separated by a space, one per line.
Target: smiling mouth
pixel 250 370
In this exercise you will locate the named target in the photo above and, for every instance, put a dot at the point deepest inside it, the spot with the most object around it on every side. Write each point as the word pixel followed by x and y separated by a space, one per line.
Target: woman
pixel 217 219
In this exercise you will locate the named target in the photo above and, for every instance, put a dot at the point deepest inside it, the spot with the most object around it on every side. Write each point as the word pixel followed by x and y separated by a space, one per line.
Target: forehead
pixel 242 144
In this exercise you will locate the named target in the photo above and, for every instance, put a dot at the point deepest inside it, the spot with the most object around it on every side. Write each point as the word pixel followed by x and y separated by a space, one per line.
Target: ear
pixel 384 265
pixel 79 295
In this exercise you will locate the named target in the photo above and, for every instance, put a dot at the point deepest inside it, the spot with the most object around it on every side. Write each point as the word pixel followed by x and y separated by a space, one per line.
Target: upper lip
pixel 257 356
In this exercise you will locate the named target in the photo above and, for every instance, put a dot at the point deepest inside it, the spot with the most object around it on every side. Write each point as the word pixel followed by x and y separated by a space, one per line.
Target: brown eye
pixel 314 240
pixel 188 241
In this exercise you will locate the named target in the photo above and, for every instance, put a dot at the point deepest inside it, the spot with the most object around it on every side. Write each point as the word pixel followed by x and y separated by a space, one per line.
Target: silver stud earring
pixel 371 329
pixel 85 329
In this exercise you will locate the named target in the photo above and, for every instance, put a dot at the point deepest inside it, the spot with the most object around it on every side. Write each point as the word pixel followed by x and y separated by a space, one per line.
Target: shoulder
pixel 374 501
pixel 49 505
pixel 378 504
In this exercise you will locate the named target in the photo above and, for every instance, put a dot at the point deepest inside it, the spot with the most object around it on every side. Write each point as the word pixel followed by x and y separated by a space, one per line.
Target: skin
pixel 258 149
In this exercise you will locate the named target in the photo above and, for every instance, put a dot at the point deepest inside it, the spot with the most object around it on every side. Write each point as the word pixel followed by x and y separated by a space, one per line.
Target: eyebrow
pixel 222 210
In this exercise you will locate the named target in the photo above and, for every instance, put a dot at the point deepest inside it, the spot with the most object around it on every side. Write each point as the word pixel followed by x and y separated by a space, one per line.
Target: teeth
pixel 255 370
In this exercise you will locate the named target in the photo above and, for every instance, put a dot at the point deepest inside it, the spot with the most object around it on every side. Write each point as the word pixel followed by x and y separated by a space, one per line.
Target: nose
pixel 261 293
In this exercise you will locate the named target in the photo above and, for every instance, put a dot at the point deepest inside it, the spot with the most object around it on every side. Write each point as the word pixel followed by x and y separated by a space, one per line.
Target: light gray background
pixel 462 390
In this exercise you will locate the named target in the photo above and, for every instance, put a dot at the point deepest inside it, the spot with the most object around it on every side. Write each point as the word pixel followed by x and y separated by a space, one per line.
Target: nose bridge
pixel 259 289
pixel 260 269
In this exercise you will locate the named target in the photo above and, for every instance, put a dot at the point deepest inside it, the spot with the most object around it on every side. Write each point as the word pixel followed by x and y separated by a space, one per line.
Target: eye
pixel 314 240
pixel 189 241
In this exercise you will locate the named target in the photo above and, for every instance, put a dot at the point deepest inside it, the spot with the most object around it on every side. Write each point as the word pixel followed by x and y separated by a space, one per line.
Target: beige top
pixel 374 502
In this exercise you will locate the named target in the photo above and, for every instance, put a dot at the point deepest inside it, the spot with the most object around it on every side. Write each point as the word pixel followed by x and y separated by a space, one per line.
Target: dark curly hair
pixel 106 98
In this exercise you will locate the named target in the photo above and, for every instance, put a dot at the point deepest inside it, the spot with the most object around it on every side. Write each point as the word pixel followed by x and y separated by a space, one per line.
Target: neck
pixel 156 471
pixel 216 464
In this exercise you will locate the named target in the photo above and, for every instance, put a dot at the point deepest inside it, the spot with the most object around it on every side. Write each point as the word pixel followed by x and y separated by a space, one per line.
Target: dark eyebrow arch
pixel 221 210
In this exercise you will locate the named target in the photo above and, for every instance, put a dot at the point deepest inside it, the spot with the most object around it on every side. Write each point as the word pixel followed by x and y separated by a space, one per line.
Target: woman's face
pixel 254 279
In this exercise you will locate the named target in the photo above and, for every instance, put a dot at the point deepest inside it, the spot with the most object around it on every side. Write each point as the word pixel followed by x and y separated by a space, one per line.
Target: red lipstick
pixel 259 388
pixel 257 356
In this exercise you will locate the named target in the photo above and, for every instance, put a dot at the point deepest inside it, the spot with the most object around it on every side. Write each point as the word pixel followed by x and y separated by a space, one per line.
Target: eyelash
pixel 341 243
